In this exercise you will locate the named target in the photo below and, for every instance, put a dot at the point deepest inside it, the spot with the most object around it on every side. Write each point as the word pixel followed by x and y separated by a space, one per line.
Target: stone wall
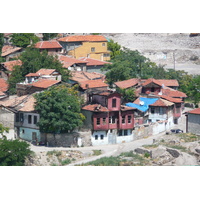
pixel 7 117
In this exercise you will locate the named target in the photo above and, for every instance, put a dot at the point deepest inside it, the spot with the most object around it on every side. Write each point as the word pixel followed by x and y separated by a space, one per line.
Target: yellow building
pixel 91 46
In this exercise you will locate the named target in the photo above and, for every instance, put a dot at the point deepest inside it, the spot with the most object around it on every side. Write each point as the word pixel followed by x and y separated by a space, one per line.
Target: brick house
pixel 109 121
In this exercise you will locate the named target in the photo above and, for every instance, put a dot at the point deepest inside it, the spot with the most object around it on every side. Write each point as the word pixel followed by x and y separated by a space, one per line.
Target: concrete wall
pixel 26 134
pixel 7 117
pixel 194 123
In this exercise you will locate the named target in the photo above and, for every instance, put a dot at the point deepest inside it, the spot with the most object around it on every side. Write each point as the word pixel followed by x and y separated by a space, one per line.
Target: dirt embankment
pixel 174 50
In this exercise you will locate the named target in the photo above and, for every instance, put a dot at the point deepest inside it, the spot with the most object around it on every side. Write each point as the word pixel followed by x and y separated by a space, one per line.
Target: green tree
pixel 128 95
pixel 13 152
pixel 114 47
pixel 3 129
pixel 32 61
pixel 48 36
pixel 24 39
pixel 59 109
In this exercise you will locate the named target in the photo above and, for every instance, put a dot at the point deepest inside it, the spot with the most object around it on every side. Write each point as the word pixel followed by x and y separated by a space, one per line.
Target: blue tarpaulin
pixel 145 102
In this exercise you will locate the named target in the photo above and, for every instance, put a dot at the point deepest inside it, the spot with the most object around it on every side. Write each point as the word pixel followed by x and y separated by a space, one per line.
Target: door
pixel 34 137
pixel 111 137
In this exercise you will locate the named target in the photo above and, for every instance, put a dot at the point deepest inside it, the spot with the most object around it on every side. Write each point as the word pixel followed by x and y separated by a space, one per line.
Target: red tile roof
pixel 14 101
pixel 162 103
pixel 52 44
pixel 10 64
pixel 3 85
pixel 152 80
pixel 32 74
pixel 44 83
pixel 195 111
pixel 84 76
pixel 127 83
pixel 83 38
pixel 45 71
pixel 28 105
pixel 95 108
pixel 91 61
pixel 8 49
pixel 170 82
pixel 174 100
pixel 172 93
pixel 92 84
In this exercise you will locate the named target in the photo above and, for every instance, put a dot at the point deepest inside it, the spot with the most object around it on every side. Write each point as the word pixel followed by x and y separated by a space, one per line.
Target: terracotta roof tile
pixel 91 61
pixel 152 80
pixel 170 82
pixel 174 100
pixel 127 83
pixel 162 103
pixel 71 60
pixel 45 71
pixel 172 93
pixel 3 85
pixel 10 64
pixel 6 50
pixel 32 74
pixel 83 38
pixel 28 105
pixel 195 111
pixel 14 101
pixel 95 108
pixel 92 84
pixel 52 44
pixel 125 108
pixel 44 83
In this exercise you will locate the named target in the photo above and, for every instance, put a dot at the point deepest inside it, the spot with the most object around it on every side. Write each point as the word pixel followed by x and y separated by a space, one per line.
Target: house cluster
pixel 109 119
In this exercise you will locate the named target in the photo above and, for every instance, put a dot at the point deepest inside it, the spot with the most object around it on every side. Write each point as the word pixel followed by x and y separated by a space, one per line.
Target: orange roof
pixel 3 85
pixel 32 74
pixel 2 93
pixel 92 84
pixel 170 82
pixel 53 44
pixel 8 49
pixel 173 93
pixel 127 83
pixel 174 100
pixel 10 64
pixel 195 111
pixel 83 38
pixel 95 107
pixel 162 103
pixel 44 83
pixel 152 80
pixel 28 106
pixel 14 101
pixel 80 76
pixel 91 61
pixel 45 71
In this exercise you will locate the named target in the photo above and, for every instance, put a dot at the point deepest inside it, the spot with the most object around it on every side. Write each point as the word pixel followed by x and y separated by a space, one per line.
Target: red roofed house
pixel 52 46
pixel 3 88
pixel 94 65
pixel 91 46
pixel 9 51
pixel 7 67
pixel 108 121
pixel 193 121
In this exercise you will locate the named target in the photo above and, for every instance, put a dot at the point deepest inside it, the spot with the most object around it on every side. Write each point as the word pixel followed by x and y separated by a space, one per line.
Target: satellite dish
pixel 141 103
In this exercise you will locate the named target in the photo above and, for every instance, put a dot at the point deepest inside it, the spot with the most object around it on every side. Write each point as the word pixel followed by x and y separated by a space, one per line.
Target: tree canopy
pixel 32 61
pixel 115 48
pixel 24 39
pixel 1 45
pixel 48 36
pixel 13 152
pixel 59 109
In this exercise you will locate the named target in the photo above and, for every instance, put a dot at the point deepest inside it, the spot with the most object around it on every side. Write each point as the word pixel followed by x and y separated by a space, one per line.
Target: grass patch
pixel 66 161
pixel 54 152
pixel 189 137
pixel 96 152
pixel 178 147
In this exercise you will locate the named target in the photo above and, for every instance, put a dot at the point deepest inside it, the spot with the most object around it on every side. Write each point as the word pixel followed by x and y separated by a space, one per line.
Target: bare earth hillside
pixel 171 49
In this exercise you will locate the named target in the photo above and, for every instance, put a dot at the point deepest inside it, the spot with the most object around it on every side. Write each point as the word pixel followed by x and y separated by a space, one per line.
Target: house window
pixel 106 55
pixel 93 49
pixel 120 133
pixel 102 136
pixel 152 110
pixel 96 137
pixel 123 120
pixel 114 103
pixel 21 116
pixel 125 132
pixel 104 120
pixel 98 121
pixel 35 120
pixel 152 89
pixel 17 117
pixel 129 119
pixel 29 119
pixel 112 120
pixel 23 131
pixel 103 44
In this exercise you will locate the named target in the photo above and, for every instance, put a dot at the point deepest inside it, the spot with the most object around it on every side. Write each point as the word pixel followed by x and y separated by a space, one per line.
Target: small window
pixel 98 121
pixel 21 116
pixel 152 110
pixel 114 103
pixel 23 131
pixel 152 89
pixel 102 136
pixel 129 119
pixel 109 120
pixel 17 117
pixel 96 137
pixel 120 133
pixel 123 120
pixel 103 44
pixel 35 120
pixel 93 49
pixel 104 120
pixel 29 119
